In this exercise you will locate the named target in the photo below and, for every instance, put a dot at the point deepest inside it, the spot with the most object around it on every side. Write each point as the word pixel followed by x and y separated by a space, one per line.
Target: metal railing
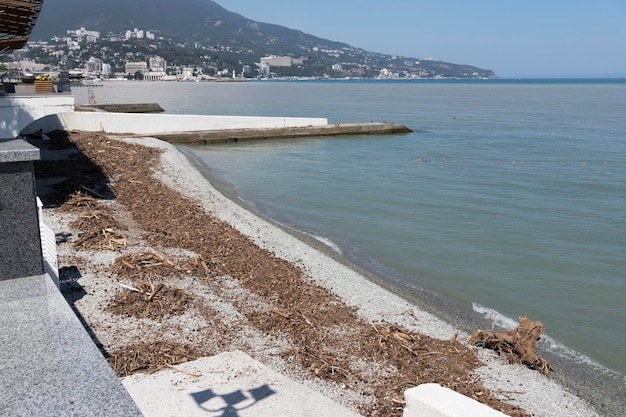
pixel 48 246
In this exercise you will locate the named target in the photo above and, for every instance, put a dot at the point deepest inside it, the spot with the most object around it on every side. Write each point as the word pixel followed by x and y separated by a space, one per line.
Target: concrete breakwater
pixel 123 108
pixel 205 129
pixel 235 135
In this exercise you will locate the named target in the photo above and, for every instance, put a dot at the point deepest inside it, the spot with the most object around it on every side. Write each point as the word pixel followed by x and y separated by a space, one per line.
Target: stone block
pixel 433 400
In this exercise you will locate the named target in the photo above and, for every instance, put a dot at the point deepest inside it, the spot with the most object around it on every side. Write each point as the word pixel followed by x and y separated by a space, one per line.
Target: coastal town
pixel 142 54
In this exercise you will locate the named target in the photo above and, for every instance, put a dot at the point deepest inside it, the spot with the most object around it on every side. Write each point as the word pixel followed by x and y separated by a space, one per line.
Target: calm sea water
pixel 509 196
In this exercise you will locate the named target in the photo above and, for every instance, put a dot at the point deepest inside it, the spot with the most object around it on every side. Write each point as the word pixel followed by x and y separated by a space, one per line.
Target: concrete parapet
pixel 433 400
pixel 17 111
pixel 153 124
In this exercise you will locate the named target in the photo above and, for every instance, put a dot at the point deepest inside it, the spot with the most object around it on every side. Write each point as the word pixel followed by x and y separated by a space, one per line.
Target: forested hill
pixel 191 20
pixel 207 24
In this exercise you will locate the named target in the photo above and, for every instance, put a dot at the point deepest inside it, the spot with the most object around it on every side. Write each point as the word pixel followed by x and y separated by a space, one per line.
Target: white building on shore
pixel 157 64
pixel 133 67
pixel 282 61
pixel 81 34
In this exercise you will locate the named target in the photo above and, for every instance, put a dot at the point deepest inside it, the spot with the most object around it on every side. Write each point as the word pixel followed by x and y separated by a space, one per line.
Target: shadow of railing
pixel 230 404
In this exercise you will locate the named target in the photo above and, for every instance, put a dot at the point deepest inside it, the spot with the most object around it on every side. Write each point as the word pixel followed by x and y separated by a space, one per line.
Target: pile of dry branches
pixel 152 357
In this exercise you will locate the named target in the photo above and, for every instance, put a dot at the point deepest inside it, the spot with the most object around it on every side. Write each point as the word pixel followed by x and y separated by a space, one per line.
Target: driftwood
pixel 518 345
pixel 78 202
pixel 102 239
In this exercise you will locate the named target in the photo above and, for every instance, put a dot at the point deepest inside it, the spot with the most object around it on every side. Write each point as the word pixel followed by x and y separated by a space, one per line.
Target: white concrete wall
pixel 17 112
pixel 433 400
pixel 147 124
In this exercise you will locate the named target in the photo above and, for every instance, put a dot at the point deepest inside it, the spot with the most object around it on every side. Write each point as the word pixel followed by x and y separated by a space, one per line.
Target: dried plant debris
pixel 326 338
pixel 151 357
pixel 147 300
pixel 102 239
pixel 100 218
pixel 137 266
pixel 198 266
pixel 517 345
pixel 79 202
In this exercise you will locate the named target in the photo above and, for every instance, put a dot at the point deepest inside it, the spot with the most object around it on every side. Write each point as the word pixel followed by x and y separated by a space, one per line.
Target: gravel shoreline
pixel 514 384
pixel 600 388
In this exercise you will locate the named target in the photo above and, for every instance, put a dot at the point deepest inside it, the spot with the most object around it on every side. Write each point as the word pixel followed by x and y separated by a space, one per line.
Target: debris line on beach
pixel 243 294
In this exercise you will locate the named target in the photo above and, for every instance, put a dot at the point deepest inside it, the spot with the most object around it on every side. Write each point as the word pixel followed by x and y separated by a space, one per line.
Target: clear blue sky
pixel 516 39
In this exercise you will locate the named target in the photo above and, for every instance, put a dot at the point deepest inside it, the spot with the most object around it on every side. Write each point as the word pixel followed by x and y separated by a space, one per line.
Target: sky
pixel 515 39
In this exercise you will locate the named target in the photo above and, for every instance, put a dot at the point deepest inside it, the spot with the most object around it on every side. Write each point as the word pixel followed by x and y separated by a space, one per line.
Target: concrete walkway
pixel 48 363
pixel 229 384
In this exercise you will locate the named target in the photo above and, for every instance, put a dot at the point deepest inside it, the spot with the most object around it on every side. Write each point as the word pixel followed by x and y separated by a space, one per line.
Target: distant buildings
pixel 139 34
pixel 282 61
pixel 93 54
pixel 134 67
pixel 264 70
pixel 153 70
pixel 80 35
pixel 157 64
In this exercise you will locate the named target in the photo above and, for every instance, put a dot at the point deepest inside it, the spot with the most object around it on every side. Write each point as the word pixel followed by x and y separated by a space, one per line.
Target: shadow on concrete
pixel 72 291
pixel 231 403
pixel 64 170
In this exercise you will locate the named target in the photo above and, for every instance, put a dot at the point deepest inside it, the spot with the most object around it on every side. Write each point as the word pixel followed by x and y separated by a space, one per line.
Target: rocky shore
pixel 162 269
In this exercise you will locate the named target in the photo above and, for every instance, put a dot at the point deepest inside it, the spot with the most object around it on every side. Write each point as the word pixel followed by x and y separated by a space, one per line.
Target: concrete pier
pixel 177 128
pixel 123 108
pixel 236 135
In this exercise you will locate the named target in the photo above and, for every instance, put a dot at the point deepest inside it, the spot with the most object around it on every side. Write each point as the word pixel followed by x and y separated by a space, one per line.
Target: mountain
pixel 204 22
pixel 193 20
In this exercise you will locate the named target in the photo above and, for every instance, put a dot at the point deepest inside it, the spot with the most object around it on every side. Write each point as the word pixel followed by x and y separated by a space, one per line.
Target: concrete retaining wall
pixel 17 112
pixel 154 124
pixel 433 400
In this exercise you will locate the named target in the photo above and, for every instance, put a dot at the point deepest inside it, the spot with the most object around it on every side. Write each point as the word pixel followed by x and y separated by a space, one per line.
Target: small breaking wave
pixel 324 240
pixel 498 319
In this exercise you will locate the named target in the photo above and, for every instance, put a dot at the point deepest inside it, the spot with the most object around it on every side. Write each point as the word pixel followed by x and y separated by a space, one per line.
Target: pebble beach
pixel 515 385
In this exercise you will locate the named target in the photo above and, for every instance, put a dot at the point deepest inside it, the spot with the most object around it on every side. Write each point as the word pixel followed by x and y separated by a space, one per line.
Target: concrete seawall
pixel 123 108
pixel 204 129
pixel 153 124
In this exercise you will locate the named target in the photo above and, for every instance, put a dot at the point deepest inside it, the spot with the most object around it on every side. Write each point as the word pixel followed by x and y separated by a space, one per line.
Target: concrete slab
pixel 433 400
pixel 229 384
pixel 17 150
pixel 48 363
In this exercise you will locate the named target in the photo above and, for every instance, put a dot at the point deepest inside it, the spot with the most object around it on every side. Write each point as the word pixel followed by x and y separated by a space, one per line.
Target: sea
pixel 508 199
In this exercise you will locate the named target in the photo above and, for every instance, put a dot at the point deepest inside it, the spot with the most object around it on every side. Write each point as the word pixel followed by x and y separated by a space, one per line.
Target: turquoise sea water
pixel 509 196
